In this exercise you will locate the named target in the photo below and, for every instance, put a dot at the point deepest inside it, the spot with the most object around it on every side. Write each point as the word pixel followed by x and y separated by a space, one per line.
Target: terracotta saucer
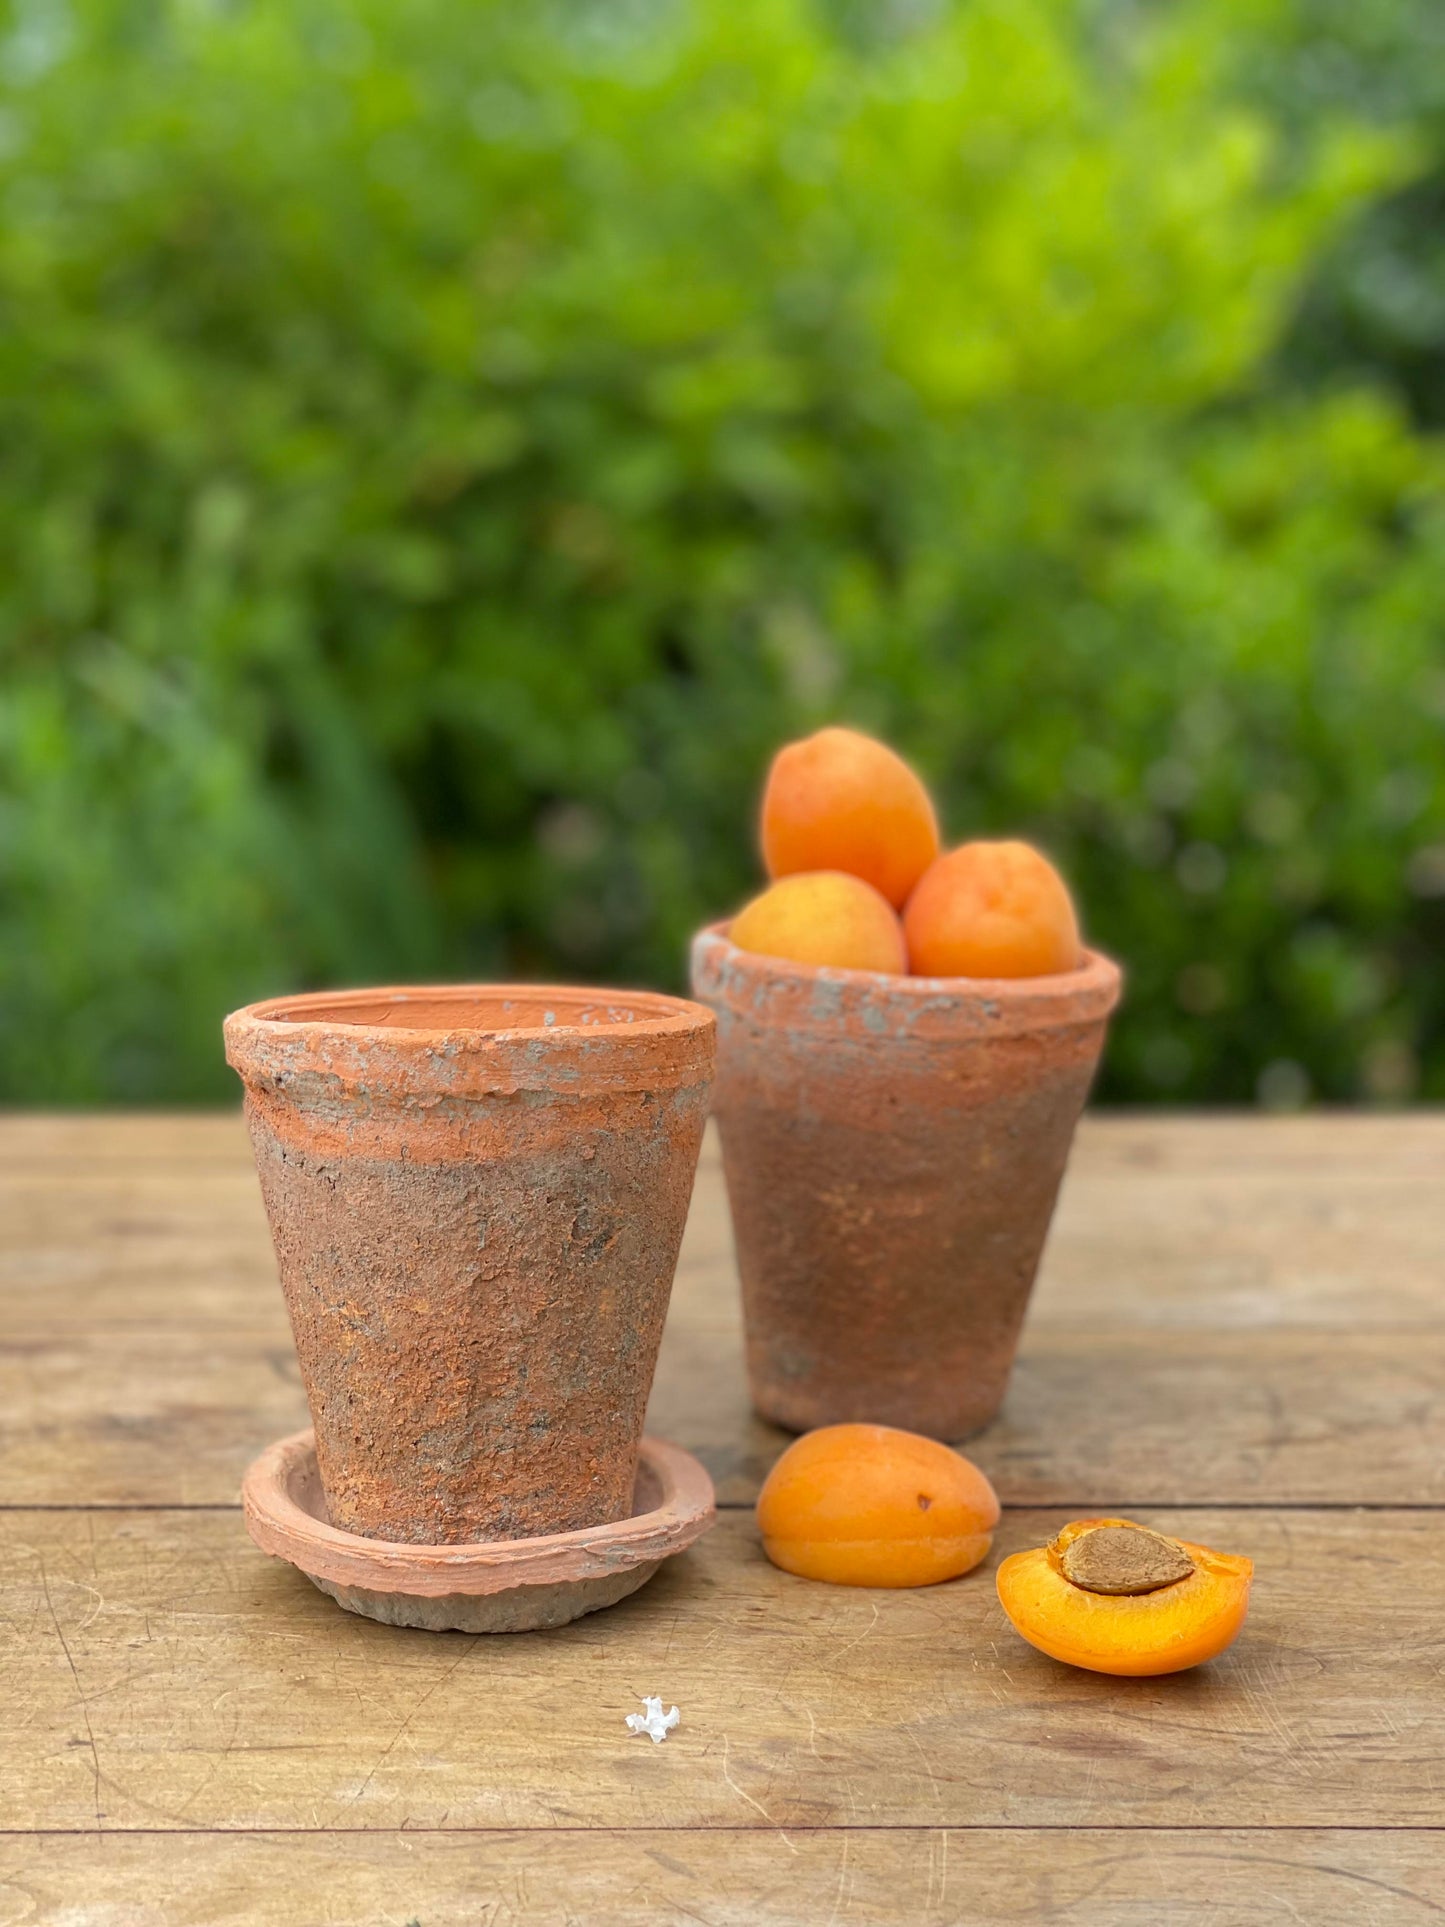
pixel 506 1586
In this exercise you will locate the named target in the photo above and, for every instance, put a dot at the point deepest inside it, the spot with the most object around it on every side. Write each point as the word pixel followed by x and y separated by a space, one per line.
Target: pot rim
pixel 316 1012
pixel 616 1039
pixel 776 990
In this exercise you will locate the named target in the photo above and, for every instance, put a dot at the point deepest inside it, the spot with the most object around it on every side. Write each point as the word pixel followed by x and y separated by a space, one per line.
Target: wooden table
pixel 1239 1336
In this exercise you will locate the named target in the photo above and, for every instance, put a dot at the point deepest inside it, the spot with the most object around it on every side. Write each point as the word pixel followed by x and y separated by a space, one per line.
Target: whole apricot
pixel 1113 1597
pixel 840 800
pixel 866 1505
pixel 823 917
pixel 991 910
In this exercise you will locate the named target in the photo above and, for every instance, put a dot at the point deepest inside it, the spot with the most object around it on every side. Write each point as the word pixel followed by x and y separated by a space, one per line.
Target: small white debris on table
pixel 652 1720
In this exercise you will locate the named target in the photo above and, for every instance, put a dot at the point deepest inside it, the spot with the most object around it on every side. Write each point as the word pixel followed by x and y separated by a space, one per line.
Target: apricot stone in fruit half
pixel 1113 1597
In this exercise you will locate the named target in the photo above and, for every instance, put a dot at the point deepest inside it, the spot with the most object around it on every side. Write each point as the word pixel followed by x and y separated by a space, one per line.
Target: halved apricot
pixel 1114 1597
pixel 839 800
pixel 868 1505
pixel 822 917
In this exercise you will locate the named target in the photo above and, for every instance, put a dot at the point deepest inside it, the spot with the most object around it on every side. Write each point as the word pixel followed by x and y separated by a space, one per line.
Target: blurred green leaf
pixel 444 450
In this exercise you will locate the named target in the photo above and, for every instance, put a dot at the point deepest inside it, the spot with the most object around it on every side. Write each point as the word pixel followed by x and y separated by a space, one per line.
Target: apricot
pixel 991 910
pixel 1113 1597
pixel 823 917
pixel 840 800
pixel 865 1505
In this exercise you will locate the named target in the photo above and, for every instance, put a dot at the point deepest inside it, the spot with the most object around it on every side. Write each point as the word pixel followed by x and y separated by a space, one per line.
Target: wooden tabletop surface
pixel 1239 1336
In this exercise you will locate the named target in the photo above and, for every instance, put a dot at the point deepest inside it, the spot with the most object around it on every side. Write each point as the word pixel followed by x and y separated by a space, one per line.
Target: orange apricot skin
pixel 1131 1636
pixel 868 1505
pixel 839 800
pixel 823 918
pixel 991 910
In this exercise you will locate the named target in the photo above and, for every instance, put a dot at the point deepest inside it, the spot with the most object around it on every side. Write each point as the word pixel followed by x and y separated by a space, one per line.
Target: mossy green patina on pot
pixel 476 1196
pixel 893 1147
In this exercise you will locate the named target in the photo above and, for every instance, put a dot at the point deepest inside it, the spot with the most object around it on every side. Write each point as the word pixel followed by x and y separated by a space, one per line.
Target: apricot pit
pixel 1123 1560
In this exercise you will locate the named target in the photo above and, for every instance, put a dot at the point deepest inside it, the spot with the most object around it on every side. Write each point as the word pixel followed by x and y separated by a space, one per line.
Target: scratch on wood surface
pixel 858 1640
pixel 671 1635
pixel 213 1765
pixel 79 1689
pixel 923 1755
pixel 1371 1880
pixel 1085 1807
pixel 842 1883
pixel 391 1744
pixel 757 1805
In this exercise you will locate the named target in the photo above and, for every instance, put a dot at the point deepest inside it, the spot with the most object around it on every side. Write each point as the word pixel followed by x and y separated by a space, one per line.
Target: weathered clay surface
pixel 498 1586
pixel 525 1609
pixel 476 1198
pixel 893 1148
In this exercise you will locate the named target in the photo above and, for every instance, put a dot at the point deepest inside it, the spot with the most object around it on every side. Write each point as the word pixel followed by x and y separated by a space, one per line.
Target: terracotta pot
pixel 476 1197
pixel 893 1148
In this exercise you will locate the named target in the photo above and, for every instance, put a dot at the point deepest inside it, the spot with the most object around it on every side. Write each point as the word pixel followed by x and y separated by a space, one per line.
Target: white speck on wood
pixel 652 1720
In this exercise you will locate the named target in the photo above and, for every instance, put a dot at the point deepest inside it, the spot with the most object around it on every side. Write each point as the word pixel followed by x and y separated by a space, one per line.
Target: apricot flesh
pixel 839 800
pixel 1132 1608
pixel 991 910
pixel 868 1505
pixel 823 918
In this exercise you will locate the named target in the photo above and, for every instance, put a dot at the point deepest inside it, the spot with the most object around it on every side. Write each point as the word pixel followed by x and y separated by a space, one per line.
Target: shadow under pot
pixel 893 1148
pixel 476 1197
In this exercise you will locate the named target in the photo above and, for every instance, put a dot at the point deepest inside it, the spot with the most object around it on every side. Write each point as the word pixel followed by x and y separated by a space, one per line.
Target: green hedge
pixel 443 449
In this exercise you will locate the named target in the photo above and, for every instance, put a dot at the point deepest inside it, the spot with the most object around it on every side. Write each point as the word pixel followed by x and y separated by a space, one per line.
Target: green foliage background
pixel 444 449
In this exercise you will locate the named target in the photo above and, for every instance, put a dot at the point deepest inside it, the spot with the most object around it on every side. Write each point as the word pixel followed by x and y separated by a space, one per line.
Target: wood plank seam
pixel 463 1830
pixel 1080 1507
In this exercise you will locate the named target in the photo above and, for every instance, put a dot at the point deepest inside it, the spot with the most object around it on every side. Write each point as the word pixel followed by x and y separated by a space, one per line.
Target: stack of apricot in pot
pixel 850 838
pixel 859 882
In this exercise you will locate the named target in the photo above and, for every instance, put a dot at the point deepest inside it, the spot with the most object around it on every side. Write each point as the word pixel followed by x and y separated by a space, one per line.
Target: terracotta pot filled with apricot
pixel 906 1037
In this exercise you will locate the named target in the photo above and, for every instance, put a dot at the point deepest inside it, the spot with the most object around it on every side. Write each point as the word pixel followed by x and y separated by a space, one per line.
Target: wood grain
pixel 172 1416
pixel 1098 1420
pixel 162 1674
pixel 1235 1310
pixel 1231 1309
pixel 929 1878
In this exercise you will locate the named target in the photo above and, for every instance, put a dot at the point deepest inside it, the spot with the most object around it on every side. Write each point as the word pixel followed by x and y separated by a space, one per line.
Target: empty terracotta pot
pixel 893 1149
pixel 476 1197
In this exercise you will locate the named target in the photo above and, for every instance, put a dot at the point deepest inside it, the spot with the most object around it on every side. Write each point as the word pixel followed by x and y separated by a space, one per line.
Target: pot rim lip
pixel 1097 976
pixel 686 1507
pixel 271 1020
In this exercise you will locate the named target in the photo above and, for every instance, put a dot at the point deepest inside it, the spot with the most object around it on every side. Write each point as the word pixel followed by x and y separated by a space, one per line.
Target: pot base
pixel 503 1586
pixel 521 1609
pixel 882 1408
